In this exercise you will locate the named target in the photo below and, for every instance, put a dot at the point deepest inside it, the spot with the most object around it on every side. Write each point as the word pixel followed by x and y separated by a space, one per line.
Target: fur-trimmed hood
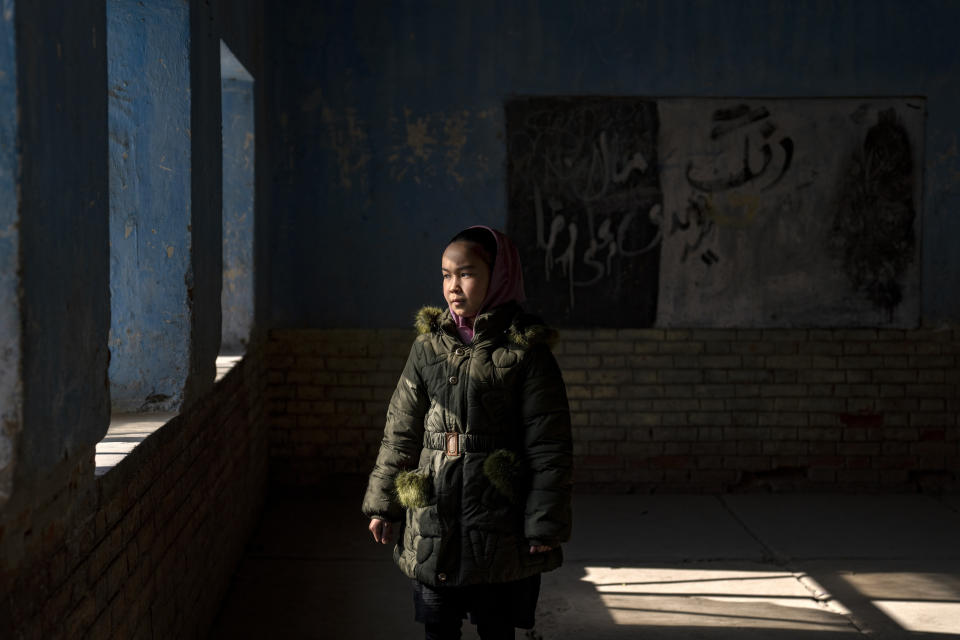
pixel 525 330
pixel 428 319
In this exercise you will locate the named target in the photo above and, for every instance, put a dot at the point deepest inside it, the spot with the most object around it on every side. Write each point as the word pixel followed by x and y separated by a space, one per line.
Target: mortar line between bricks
pixel 817 592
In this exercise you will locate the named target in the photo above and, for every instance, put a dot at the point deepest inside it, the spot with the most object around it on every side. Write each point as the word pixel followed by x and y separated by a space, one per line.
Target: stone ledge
pixel 127 430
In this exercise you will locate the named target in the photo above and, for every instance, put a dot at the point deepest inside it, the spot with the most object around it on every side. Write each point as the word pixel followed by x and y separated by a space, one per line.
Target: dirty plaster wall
pixel 718 212
pixel 150 230
pixel 165 210
pixel 390 121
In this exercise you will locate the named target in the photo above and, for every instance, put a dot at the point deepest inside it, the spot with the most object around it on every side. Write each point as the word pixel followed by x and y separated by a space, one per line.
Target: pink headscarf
pixel 506 282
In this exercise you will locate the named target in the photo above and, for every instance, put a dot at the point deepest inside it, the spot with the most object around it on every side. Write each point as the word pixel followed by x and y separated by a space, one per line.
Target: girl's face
pixel 466 277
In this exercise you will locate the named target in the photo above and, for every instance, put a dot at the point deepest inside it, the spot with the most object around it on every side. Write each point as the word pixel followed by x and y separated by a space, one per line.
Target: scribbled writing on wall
pixel 873 225
pixel 716 212
pixel 739 120
pixel 789 212
pixel 585 206
pixel 752 159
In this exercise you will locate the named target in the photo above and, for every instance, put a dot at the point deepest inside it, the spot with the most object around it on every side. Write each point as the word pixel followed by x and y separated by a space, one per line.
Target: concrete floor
pixel 777 567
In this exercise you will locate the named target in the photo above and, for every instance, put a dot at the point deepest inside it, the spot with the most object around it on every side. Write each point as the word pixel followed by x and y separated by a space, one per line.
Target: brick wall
pixel 666 410
pixel 147 550
pixel 326 399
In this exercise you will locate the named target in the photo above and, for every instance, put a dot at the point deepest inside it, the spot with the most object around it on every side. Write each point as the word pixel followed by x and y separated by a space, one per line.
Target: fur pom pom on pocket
pixel 412 489
pixel 504 472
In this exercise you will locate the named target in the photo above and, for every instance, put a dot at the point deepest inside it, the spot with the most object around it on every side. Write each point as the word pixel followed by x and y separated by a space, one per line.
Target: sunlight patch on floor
pixel 699 597
pixel 921 602
pixel 923 617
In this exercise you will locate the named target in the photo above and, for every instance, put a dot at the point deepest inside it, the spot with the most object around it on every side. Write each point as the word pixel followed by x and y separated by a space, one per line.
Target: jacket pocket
pixel 505 472
pixel 413 489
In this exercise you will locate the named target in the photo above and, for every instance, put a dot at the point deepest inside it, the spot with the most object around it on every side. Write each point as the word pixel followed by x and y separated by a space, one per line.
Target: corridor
pixel 219 222
pixel 770 567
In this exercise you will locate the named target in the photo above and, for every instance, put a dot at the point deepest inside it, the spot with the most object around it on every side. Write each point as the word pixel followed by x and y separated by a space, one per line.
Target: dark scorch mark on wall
pixel 873 225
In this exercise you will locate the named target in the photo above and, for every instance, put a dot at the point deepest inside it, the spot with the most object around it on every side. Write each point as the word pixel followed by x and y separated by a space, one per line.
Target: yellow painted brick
pixel 641 334
pixel 601 347
pixel 604 391
pixel 650 361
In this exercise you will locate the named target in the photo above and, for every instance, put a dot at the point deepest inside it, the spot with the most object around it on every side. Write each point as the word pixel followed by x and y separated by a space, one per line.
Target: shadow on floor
pixel 671 567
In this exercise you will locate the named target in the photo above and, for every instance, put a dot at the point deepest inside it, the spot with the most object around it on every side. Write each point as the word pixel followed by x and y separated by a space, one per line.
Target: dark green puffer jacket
pixel 471 519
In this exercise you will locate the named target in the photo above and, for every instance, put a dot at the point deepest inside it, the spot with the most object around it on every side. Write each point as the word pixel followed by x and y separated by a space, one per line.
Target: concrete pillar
pixel 10 338
pixel 61 195
pixel 165 202
pixel 206 151
pixel 238 178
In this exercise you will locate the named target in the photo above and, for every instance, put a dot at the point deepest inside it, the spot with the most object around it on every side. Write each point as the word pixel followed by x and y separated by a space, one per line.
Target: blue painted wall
pixel 165 230
pixel 150 206
pixel 62 100
pixel 237 91
pixel 388 121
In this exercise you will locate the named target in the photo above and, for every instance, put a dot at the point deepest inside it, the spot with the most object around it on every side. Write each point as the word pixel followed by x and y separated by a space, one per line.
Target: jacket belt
pixel 457 443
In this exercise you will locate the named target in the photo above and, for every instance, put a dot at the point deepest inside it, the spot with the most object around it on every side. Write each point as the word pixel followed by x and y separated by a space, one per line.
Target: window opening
pixel 236 85
pixel 148 76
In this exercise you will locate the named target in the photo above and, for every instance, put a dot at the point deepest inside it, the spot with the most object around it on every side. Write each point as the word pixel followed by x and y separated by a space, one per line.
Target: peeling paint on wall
pixel 426 137
pixel 347 138
pixel 455 138
pixel 421 143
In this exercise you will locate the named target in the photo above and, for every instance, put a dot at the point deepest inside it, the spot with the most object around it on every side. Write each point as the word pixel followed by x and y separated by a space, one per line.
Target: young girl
pixel 474 470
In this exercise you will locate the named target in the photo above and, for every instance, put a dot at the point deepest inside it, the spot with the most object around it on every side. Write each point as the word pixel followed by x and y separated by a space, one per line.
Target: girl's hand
pixel 541 548
pixel 381 529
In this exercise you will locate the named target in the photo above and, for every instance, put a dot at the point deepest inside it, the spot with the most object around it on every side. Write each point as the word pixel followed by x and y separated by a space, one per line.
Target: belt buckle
pixel 452 447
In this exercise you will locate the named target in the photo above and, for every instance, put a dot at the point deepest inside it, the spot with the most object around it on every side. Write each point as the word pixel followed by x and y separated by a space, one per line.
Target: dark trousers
pixel 496 609
pixel 451 631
